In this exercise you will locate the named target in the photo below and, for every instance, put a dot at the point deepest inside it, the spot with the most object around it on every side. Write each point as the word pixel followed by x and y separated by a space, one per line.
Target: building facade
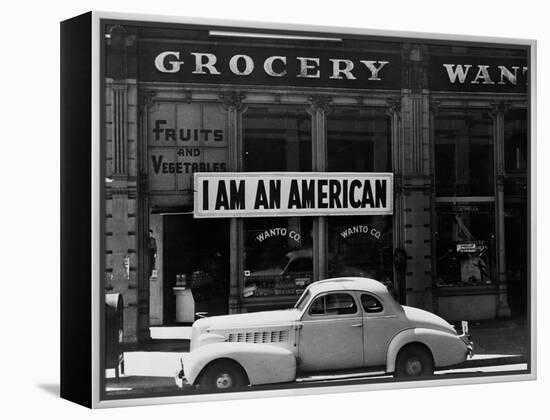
pixel 448 121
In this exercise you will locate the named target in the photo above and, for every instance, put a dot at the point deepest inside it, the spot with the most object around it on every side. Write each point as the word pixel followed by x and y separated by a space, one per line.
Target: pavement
pixel 150 367
pixel 502 336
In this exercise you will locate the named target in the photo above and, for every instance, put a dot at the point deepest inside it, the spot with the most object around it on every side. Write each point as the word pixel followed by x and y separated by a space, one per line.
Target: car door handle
pixel 357 325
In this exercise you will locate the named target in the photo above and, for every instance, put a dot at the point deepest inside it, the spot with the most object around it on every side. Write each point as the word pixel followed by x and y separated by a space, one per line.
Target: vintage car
pixel 336 325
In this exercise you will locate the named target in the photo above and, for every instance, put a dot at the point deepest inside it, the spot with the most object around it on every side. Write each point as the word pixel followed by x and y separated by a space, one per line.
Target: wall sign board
pixel 283 66
pixel 264 194
pixel 477 74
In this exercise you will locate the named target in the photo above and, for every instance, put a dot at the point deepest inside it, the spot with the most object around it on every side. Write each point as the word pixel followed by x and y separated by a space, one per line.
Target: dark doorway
pixel 516 256
pixel 198 248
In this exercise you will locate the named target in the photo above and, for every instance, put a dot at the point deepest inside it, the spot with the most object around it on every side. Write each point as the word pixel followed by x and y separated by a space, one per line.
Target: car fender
pixel 447 349
pixel 263 363
pixel 205 339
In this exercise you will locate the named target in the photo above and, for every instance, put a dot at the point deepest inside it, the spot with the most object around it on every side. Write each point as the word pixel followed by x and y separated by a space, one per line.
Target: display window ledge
pixel 485 289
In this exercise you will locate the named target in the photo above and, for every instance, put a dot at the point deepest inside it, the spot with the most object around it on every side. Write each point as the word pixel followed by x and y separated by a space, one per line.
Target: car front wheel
pixel 414 361
pixel 222 376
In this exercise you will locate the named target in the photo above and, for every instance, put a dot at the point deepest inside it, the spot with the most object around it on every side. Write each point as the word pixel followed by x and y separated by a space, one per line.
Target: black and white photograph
pixel 297 209
pixel 275 210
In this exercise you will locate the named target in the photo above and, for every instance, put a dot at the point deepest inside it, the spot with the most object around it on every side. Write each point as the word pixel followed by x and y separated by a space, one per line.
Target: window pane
pixel 464 154
pixel 278 256
pixel 318 307
pixel 371 304
pixel 465 240
pixel 340 304
pixel 515 140
pixel 334 304
pixel 276 139
pixel 361 247
pixel 358 140
pixel 300 305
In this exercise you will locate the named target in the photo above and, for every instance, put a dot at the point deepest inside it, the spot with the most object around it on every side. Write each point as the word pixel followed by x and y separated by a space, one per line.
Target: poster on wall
pixel 268 194
pixel 289 209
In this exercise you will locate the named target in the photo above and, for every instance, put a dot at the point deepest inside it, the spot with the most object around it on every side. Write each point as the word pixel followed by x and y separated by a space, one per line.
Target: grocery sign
pixel 265 194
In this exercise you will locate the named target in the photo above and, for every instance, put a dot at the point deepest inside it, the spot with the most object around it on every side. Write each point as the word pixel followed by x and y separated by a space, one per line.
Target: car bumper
pixel 181 380
pixel 467 340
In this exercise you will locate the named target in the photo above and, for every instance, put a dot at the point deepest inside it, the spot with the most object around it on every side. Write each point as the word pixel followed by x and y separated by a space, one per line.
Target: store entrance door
pixel 198 248
pixel 516 256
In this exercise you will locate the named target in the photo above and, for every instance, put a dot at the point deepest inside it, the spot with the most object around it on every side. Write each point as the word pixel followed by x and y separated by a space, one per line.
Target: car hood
pixel 419 318
pixel 249 320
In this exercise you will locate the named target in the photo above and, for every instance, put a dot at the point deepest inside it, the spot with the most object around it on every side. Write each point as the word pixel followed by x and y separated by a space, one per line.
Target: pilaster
pixel 497 113
pixel 394 113
pixel 319 108
pixel 416 179
pixel 233 103
pixel 121 150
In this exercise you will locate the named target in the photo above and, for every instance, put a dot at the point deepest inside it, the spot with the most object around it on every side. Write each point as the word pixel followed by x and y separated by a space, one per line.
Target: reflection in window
pixel 371 304
pixel 464 154
pixel 515 140
pixel 358 140
pixel 333 304
pixel 276 139
pixel 361 246
pixel 278 256
pixel 465 240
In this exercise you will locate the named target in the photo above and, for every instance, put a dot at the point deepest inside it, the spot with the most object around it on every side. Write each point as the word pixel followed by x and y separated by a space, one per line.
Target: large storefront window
pixel 361 247
pixel 465 244
pixel 464 180
pixel 278 252
pixel 278 258
pixel 276 139
pixel 464 154
pixel 359 140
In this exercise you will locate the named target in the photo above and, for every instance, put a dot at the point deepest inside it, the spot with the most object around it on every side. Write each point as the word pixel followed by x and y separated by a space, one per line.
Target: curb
pixel 495 361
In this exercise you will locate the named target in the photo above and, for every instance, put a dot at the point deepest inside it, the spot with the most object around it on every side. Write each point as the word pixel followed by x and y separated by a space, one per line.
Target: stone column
pixel 121 176
pixel 417 180
pixel 394 113
pixel 319 109
pixel 498 111
pixel 150 289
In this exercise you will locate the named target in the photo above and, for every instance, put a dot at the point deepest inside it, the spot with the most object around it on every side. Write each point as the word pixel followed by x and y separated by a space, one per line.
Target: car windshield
pixel 302 302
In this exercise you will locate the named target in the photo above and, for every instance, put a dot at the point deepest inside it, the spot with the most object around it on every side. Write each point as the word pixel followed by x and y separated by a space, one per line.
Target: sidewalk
pixel 502 336
pixel 141 385
pixel 499 342
pixel 150 367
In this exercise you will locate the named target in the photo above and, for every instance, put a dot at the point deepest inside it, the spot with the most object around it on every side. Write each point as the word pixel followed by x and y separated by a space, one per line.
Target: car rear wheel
pixel 222 376
pixel 414 361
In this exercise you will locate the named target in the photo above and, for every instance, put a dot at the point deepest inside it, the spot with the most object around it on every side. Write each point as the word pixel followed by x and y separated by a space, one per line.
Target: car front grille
pixel 279 336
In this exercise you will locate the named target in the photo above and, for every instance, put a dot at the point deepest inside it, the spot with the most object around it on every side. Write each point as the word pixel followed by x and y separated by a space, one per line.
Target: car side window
pixel 333 304
pixel 371 304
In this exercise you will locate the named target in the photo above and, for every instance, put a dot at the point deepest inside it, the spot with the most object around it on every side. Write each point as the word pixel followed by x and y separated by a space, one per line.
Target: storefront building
pixel 448 123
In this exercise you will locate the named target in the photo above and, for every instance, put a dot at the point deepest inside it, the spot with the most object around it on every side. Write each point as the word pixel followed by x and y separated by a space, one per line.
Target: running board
pixel 348 375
